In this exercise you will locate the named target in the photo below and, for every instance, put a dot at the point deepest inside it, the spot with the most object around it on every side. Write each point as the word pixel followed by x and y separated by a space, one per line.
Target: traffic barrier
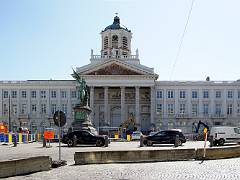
pixel 20 137
pixel 9 138
pixel 129 137
pixel 2 137
pixel 115 136
pixel 24 138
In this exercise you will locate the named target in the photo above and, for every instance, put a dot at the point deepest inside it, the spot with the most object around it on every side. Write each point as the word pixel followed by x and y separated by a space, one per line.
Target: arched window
pixel 115 41
pixel 105 43
pixel 124 42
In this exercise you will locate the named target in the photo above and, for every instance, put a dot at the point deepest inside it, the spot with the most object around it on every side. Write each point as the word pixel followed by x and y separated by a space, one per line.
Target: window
pixel 64 108
pixel 24 94
pixel 159 109
pixel 182 94
pixel 218 109
pixel 194 109
pixel 182 108
pixel 114 41
pixel 73 94
pixel 170 94
pixel 5 109
pixel 53 108
pixel 43 109
pixel 229 109
pixel 5 94
pixel 33 94
pixel 238 109
pixel 170 108
pixel 124 42
pixel 218 94
pixel 105 42
pixel 14 94
pixel 205 109
pixel 159 94
pixel 53 94
pixel 43 94
pixel 14 109
pixel 205 94
pixel 23 108
pixel 34 108
pixel 63 94
pixel 194 94
pixel 230 94
pixel 238 94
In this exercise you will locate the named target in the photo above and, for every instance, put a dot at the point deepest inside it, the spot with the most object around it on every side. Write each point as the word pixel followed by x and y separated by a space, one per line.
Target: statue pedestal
pixel 82 119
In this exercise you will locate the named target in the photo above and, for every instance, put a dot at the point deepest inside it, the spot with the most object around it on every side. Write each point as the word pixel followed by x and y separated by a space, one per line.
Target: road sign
pixel 48 134
pixel 59 116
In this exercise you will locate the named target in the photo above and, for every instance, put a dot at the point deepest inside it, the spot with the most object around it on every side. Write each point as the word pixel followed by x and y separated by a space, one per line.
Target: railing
pixel 99 57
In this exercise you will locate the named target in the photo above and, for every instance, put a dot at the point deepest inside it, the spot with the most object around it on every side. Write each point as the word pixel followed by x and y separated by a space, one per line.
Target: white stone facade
pixel 119 88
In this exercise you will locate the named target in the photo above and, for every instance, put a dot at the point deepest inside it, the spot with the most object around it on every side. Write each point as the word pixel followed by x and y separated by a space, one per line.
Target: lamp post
pixel 9 114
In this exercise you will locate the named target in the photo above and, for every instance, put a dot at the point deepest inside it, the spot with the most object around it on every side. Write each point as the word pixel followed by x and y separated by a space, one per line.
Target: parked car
pixel 165 137
pixel 83 137
pixel 136 135
pixel 225 134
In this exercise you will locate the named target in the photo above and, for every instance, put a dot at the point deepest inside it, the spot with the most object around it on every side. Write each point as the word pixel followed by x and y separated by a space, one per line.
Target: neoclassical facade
pixel 120 88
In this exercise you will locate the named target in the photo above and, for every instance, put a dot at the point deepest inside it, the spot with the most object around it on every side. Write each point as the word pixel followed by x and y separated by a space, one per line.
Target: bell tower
pixel 116 40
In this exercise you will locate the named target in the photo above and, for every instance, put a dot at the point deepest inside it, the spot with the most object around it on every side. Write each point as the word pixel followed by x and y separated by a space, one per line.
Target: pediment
pixel 113 69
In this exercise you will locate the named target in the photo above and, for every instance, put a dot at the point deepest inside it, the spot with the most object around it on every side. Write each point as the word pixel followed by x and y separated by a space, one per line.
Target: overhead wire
pixel 181 40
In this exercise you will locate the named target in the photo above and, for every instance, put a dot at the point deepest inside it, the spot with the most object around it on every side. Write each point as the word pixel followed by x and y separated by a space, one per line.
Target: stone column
pixel 122 104
pixel 106 118
pixel 92 103
pixel 137 106
pixel 153 105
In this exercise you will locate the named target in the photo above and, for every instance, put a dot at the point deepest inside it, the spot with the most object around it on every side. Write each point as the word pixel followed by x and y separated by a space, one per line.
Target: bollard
pixel 106 141
pixel 44 142
pixel 15 140
pixel 176 141
pixel 211 141
pixel 74 140
pixel 141 141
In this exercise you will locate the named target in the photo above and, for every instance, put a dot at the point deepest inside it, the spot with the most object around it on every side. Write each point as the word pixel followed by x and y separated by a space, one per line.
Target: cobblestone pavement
pixel 215 169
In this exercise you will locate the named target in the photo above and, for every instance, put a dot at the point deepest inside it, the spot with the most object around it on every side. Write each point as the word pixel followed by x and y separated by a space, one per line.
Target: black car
pixel 164 137
pixel 83 137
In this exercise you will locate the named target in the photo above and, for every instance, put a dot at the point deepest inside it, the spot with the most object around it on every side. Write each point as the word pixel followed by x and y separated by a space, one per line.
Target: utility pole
pixel 9 114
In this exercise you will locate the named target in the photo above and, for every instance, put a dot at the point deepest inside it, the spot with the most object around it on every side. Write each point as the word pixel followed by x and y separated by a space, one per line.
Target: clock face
pixel 114 38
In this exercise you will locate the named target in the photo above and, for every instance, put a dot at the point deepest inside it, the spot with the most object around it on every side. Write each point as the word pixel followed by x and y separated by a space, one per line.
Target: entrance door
pixel 116 116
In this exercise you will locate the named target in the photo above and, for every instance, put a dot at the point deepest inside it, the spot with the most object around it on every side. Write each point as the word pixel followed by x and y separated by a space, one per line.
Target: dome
pixel 115 25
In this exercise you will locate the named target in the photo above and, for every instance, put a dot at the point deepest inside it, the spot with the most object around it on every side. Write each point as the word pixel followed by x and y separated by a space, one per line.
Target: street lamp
pixel 9 114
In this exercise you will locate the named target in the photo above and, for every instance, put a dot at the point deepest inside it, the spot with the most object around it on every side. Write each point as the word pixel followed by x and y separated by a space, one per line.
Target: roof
pixel 116 25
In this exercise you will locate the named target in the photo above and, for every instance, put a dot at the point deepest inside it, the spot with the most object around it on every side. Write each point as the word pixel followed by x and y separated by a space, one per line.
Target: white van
pixel 225 134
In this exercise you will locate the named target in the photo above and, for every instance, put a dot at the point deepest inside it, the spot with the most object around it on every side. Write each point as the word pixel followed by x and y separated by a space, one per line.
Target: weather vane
pixel 116 13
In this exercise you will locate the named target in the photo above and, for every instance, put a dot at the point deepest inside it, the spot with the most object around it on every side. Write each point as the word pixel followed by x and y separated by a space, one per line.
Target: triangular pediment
pixel 115 67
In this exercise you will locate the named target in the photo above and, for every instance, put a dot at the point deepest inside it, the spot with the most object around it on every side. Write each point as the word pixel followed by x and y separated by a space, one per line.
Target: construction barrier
pixel 129 137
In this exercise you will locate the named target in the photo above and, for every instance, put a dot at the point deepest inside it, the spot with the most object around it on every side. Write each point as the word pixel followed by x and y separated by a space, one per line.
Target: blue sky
pixel 44 39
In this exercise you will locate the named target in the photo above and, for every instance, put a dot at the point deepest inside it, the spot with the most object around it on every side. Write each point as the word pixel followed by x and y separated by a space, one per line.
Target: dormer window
pixel 106 42
pixel 124 42
pixel 114 41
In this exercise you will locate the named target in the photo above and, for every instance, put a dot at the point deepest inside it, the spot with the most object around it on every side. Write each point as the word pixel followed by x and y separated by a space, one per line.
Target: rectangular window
pixel 182 109
pixel 43 108
pixel 14 109
pixel 182 94
pixel 194 94
pixel 159 94
pixel 33 94
pixel 170 94
pixel 63 94
pixel 64 108
pixel 53 94
pixel 53 108
pixel 24 94
pixel 43 94
pixel 170 108
pixel 14 94
pixel 5 94
pixel 73 94
pixel 5 109
pixel 23 108
pixel 218 109
pixel 230 94
pixel 229 109
pixel 205 109
pixel 238 109
pixel 218 94
pixel 34 108
pixel 159 109
pixel 205 94
pixel 238 94
pixel 194 109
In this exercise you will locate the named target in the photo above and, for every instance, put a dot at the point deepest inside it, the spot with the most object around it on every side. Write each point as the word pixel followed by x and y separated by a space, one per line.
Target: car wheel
pixel 179 142
pixel 215 143
pixel 99 143
pixel 149 143
pixel 70 143
pixel 221 142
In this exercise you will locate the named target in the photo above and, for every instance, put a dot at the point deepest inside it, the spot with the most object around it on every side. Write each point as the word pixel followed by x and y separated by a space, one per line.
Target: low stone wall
pixel 97 157
pixel 148 155
pixel 24 166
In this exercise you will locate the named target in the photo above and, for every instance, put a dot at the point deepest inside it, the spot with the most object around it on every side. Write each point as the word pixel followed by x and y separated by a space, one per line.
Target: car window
pixel 237 130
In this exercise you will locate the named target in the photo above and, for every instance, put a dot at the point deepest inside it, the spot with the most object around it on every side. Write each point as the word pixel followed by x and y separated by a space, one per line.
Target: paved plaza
pixel 214 169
